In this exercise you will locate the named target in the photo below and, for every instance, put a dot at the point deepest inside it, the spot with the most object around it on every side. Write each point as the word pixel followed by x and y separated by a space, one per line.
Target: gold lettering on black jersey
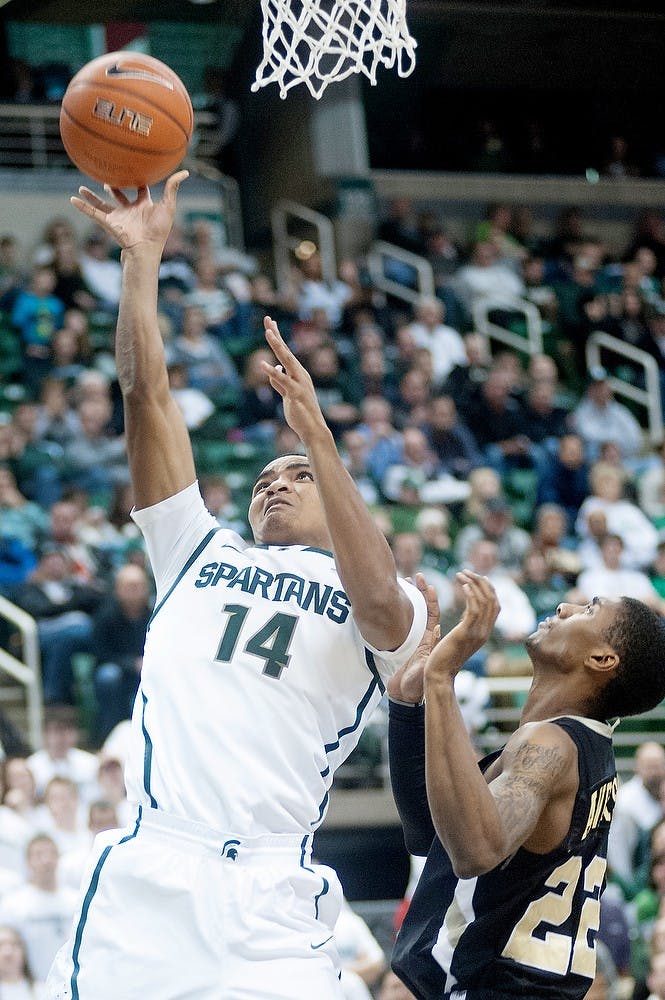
pixel 601 806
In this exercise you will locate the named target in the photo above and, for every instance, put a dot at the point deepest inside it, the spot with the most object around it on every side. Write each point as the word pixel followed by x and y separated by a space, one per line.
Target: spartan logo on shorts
pixel 138 74
pixel 122 117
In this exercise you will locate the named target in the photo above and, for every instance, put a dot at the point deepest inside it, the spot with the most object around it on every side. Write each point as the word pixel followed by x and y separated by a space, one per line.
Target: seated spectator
pixel 432 524
pixel 16 976
pixel 15 832
pixel 118 638
pixel 651 489
pixel 40 910
pixel 516 618
pixel 623 517
pixel 95 460
pixel 450 439
pixel 464 379
pixel 485 485
pixel 354 452
pixel 443 342
pixel 383 439
pixel 111 781
pixel 499 425
pixel 599 418
pixel 208 295
pixel 20 794
pixel 495 524
pixel 218 498
pixel 101 272
pixel 407 549
pixel 60 755
pixel 20 518
pixel 260 407
pixel 485 278
pixel 544 588
pixel 37 313
pixel 614 581
pixel 551 538
pixel 647 908
pixel 62 607
pixel 65 523
pixel 333 388
pixel 537 290
pixel 564 477
pixel 33 462
pixel 56 420
pixel 70 286
pixel 102 816
pixel 194 405
pixel 208 365
pixel 63 816
pixel 419 477
pixel 314 292
pixel 547 421
pixel 414 394
pixel 637 810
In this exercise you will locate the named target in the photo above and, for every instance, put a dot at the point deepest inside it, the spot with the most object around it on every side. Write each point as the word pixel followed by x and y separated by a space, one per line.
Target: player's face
pixel 285 508
pixel 573 632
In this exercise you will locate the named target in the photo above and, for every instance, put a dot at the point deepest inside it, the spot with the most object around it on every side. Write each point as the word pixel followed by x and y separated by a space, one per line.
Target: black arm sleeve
pixel 406 742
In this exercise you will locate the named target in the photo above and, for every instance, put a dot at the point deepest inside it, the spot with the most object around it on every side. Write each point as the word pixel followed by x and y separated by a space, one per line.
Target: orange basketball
pixel 126 120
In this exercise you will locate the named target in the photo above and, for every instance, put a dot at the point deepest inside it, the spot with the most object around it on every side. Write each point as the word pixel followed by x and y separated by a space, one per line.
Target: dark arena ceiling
pixel 239 11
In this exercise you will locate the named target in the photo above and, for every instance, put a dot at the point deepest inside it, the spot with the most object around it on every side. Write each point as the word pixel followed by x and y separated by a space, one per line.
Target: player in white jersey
pixel 262 663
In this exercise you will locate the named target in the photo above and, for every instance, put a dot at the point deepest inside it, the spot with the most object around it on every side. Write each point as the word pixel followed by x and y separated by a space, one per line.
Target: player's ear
pixel 602 659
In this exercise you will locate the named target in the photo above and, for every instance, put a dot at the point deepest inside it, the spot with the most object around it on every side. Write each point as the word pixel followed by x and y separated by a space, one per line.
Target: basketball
pixel 126 120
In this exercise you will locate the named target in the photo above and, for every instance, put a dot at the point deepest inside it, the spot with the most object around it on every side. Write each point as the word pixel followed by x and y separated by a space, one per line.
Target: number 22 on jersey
pixel 553 952
pixel 269 643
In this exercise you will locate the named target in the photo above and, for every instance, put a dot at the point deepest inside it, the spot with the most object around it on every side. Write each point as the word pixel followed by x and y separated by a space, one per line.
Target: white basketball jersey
pixel 256 682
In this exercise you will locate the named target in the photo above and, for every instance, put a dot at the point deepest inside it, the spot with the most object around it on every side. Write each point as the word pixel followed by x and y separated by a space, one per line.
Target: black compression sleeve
pixel 407 775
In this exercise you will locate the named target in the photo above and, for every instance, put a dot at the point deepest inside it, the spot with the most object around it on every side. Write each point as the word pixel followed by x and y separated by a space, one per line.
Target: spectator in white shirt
pixel 516 619
pixel 599 418
pixel 624 518
pixel 60 755
pixel 101 817
pixel 39 909
pixel 101 273
pixel 637 809
pixel 444 343
pixel 16 978
pixel 614 581
pixel 485 278
pixel 64 819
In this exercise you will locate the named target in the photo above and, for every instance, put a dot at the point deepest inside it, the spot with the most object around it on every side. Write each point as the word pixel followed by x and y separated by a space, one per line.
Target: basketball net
pixel 317 42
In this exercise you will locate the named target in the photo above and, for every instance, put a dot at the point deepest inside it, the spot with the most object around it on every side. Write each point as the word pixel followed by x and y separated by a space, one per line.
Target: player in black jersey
pixel 508 904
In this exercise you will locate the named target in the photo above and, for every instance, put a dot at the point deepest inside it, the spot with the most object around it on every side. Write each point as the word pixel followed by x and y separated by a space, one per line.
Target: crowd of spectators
pixel 523 467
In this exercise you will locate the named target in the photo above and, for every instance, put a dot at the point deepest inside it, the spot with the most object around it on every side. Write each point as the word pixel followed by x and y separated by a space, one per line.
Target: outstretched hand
pixel 471 633
pixel 133 223
pixel 294 384
pixel 408 683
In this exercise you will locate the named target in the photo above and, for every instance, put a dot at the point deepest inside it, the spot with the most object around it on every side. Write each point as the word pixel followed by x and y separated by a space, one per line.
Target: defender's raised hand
pixel 471 633
pixel 292 381
pixel 133 223
pixel 408 683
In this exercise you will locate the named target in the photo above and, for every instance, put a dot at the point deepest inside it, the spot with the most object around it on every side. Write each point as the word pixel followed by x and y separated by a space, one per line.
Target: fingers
pixel 90 198
pixel 481 599
pixel 116 193
pixel 431 600
pixel 279 348
pixel 173 183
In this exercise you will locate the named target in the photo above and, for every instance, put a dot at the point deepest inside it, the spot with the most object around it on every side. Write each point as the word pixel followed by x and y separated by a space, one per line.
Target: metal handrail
pixel 380 252
pixel 531 344
pixel 649 397
pixel 284 243
pixel 27 671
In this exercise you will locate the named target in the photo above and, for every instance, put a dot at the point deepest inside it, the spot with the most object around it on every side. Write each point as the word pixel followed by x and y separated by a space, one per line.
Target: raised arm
pixel 158 446
pixel 364 561
pixel 481 824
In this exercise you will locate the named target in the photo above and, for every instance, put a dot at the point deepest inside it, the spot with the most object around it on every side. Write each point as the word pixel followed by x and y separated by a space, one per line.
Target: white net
pixel 317 42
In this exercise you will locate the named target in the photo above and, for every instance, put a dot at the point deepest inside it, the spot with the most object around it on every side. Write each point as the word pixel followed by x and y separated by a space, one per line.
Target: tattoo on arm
pixel 523 789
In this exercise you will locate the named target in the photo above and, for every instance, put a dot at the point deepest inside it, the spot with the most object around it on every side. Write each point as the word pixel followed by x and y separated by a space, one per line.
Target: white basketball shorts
pixel 174 911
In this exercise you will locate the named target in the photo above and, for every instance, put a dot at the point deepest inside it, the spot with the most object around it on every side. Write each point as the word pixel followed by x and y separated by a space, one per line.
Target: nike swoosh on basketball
pixel 137 74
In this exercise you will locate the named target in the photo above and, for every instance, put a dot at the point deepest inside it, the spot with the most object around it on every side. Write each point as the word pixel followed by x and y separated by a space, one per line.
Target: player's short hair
pixel 637 635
